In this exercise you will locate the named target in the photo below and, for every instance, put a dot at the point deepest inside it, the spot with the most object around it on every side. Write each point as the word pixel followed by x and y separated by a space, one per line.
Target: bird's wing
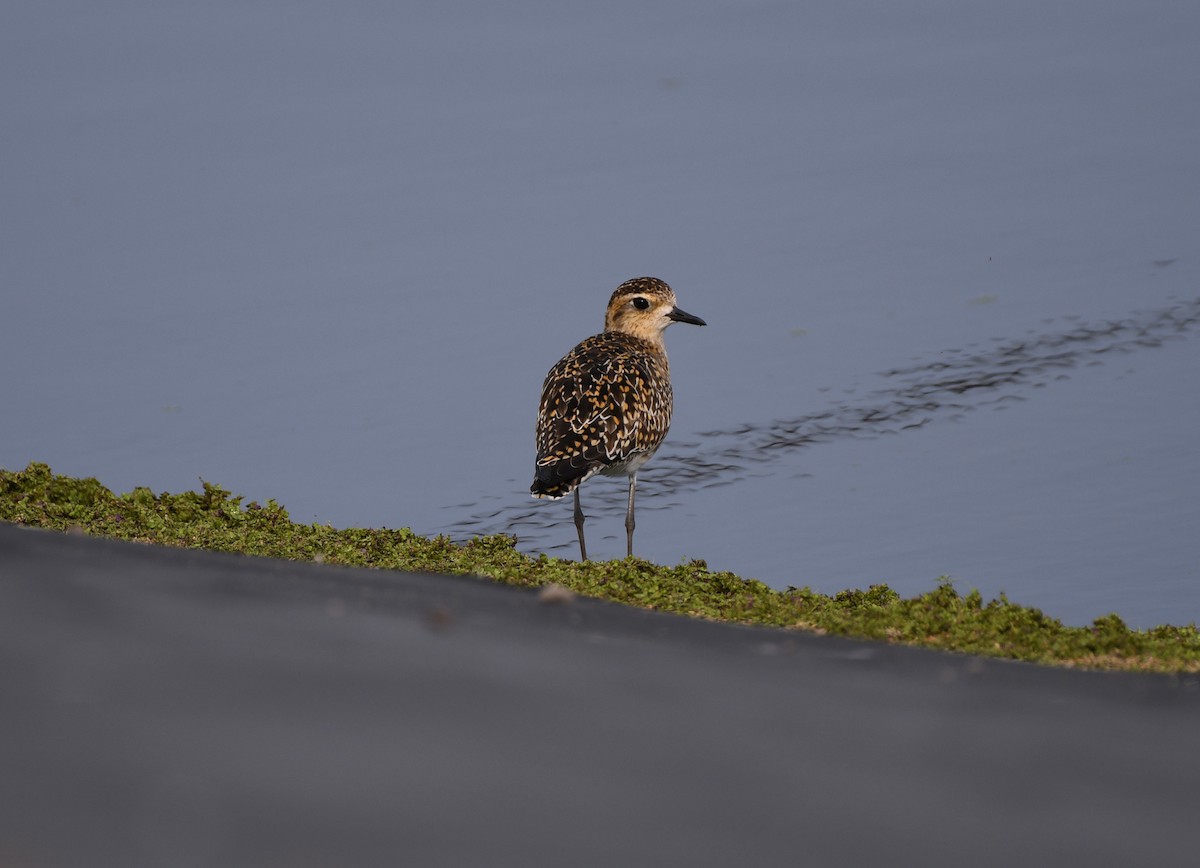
pixel 596 410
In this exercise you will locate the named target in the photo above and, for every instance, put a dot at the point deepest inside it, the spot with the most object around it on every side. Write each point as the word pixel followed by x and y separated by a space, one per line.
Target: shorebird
pixel 606 406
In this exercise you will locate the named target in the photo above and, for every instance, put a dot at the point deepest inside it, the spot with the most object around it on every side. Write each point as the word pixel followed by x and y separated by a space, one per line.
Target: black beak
pixel 683 316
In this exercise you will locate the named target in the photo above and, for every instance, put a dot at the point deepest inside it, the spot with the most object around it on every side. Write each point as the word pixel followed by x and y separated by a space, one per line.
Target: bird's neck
pixel 652 336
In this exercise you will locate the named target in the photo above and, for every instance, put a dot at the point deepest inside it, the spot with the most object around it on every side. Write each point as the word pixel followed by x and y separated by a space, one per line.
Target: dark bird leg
pixel 579 526
pixel 629 524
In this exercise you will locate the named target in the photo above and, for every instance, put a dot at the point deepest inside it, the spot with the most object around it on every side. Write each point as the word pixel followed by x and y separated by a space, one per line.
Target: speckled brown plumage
pixel 607 403
pixel 606 406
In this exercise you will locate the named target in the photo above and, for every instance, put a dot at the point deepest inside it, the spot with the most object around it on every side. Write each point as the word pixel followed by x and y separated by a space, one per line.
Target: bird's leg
pixel 629 523
pixel 579 527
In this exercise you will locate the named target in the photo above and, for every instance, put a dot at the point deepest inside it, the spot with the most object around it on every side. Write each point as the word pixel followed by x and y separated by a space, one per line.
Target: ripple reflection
pixel 956 383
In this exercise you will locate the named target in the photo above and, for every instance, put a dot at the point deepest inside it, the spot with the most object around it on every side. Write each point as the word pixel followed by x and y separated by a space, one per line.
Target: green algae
pixel 216 519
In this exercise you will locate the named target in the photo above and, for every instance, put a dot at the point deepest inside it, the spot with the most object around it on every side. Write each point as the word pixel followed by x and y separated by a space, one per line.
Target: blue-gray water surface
pixel 948 256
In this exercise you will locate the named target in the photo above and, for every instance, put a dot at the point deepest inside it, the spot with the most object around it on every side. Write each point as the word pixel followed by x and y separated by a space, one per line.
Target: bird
pixel 606 406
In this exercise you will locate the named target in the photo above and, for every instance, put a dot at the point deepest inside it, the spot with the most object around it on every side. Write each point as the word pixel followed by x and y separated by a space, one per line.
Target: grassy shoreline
pixel 214 518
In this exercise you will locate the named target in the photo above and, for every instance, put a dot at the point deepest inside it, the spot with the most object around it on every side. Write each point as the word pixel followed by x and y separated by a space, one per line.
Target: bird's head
pixel 644 307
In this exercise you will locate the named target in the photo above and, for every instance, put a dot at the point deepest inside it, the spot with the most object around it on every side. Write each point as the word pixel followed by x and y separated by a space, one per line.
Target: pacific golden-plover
pixel 606 406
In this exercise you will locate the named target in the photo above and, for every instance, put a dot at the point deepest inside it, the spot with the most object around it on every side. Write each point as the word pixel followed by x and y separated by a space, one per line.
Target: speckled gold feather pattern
pixel 606 406
pixel 606 403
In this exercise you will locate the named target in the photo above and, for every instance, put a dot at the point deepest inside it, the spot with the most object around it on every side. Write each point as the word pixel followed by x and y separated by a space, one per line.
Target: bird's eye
pixel 641 303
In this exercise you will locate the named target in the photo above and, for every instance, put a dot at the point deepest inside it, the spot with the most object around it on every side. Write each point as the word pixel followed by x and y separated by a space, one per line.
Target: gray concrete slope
pixel 170 707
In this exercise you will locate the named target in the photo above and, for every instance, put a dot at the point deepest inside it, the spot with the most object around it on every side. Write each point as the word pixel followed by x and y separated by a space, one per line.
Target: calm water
pixel 950 261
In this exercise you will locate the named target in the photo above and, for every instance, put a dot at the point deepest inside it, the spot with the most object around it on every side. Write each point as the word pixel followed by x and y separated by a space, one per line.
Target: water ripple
pixel 957 382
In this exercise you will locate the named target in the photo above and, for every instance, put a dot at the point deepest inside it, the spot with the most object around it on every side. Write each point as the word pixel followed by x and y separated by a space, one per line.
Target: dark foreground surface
pixel 165 707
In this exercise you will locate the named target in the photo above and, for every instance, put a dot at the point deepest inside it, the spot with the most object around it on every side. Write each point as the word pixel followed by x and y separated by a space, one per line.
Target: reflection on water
pixel 956 382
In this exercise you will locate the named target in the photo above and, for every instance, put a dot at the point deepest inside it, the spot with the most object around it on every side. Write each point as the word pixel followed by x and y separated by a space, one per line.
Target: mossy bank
pixel 213 518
